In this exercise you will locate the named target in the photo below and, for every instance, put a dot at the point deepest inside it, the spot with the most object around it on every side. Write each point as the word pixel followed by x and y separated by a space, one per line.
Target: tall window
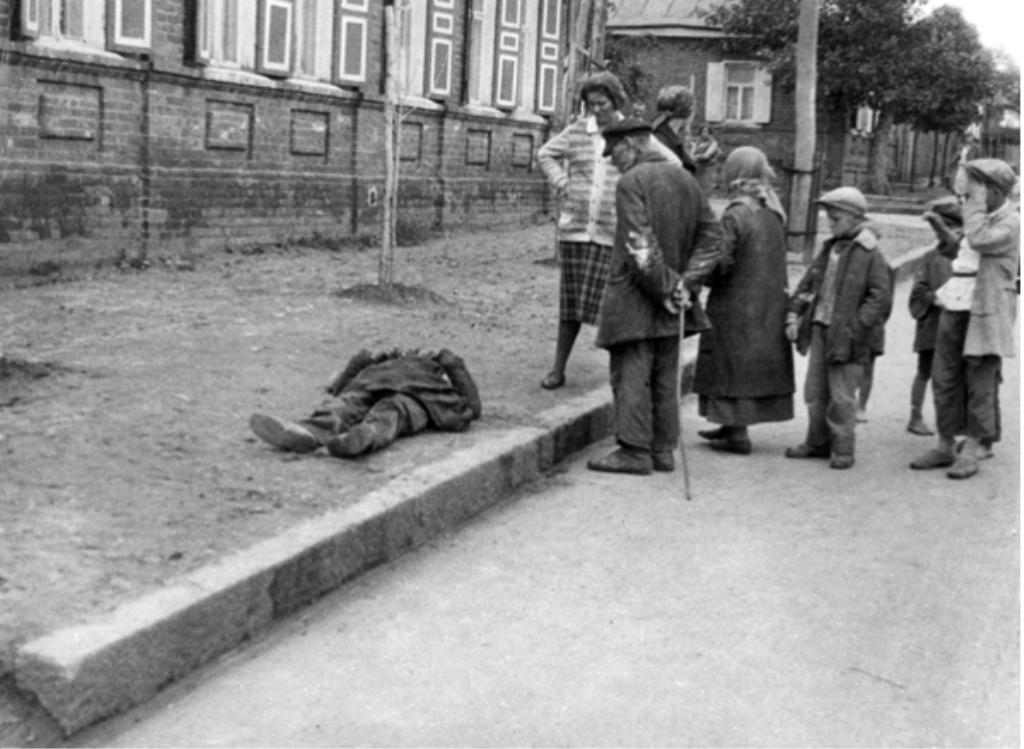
pixel 480 51
pixel 739 92
pixel 118 25
pixel 350 67
pixel 219 27
pixel 411 18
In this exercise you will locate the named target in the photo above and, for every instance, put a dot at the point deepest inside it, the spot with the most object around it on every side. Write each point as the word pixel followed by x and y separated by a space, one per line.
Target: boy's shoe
pixel 663 460
pixel 803 450
pixel 352 443
pixel 623 460
pixel 984 450
pixel 934 458
pixel 841 462
pixel 285 435
pixel 963 468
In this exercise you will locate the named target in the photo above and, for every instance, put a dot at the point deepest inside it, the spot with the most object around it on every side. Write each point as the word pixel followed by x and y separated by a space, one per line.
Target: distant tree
pixel 952 74
pixel 1006 76
pixel 622 56
pixel 876 53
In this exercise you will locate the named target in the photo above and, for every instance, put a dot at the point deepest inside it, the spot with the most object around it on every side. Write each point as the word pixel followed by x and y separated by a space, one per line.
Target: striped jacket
pixel 572 161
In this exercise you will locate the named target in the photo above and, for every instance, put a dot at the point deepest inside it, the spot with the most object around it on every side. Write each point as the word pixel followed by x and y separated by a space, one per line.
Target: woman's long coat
pixel 746 353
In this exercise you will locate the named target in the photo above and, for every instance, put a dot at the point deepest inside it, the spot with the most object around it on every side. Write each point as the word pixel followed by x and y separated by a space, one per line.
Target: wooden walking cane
pixel 679 391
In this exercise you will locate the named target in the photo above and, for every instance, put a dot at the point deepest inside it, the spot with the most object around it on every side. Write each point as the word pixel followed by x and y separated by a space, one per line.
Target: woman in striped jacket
pixel 585 183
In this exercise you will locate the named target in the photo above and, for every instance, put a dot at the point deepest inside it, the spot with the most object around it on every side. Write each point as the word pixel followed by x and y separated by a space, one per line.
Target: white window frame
pixel 219 33
pixel 480 54
pixel 410 16
pixel 314 21
pixel 47 20
pixel 715 105
pixel 116 39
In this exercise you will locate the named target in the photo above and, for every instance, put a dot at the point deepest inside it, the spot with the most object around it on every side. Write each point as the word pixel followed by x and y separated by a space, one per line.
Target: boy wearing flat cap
pixel 976 323
pixel 845 293
pixel 667 242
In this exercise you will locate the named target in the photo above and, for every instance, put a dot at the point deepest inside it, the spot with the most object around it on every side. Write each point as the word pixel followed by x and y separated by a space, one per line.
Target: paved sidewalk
pixel 787 605
pixel 84 674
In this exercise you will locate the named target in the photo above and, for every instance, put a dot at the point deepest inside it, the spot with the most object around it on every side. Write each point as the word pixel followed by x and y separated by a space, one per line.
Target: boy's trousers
pixel 830 392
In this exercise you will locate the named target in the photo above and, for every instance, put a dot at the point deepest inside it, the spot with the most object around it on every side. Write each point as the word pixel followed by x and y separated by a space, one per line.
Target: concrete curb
pixel 83 674
pixel 78 676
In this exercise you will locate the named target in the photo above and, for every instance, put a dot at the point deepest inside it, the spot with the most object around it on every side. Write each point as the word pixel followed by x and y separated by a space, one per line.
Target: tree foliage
pixel 623 56
pixel 931 71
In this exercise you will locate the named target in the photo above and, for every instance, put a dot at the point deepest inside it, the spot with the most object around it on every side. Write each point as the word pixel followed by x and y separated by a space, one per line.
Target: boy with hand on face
pixel 845 292
pixel 979 308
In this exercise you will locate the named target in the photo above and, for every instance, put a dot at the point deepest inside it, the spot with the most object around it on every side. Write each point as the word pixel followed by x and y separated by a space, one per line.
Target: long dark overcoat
pixel 746 353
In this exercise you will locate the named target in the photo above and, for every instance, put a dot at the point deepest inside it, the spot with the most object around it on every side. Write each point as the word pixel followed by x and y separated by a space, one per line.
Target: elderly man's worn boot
pixel 624 460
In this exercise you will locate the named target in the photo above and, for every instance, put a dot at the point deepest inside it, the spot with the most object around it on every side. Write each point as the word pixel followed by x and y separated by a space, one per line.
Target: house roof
pixel 662 17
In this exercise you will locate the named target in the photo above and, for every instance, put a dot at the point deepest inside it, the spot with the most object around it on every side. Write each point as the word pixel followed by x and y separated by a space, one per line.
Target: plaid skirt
pixel 585 268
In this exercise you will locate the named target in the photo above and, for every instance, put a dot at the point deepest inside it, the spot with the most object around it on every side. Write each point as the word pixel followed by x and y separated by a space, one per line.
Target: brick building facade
pixel 144 127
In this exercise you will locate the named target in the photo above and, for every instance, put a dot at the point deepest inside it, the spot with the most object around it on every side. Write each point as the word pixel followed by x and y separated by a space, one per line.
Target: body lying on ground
pixel 378 398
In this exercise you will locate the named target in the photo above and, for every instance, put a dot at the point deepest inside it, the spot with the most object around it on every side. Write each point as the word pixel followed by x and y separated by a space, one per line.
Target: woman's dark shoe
pixel 714 434
pixel 732 445
pixel 553 381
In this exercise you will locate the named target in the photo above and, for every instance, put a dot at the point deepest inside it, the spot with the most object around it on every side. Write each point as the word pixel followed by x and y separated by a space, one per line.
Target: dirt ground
pixel 125 455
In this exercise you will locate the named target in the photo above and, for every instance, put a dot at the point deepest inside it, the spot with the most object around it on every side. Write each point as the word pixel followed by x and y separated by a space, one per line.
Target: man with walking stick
pixel 667 242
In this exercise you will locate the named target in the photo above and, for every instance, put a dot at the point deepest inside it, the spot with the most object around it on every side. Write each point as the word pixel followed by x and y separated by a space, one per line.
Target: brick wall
pixel 109 157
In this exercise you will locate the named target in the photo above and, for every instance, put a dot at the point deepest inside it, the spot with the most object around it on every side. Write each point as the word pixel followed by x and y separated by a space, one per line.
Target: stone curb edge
pixel 83 674
pixel 76 677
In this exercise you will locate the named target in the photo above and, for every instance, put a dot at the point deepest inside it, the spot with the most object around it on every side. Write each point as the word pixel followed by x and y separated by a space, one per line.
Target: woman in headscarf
pixel 585 181
pixel 745 363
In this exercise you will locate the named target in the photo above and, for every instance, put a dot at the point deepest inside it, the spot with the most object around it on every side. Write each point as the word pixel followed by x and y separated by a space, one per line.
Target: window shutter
pixel 548 49
pixel 762 96
pixel 129 25
pixel 351 42
pixel 28 19
pixel 274 44
pixel 714 99
pixel 507 55
pixel 440 34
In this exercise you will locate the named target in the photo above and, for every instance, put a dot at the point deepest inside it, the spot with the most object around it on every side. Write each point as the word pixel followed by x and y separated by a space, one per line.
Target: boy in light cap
pixel 976 323
pixel 845 292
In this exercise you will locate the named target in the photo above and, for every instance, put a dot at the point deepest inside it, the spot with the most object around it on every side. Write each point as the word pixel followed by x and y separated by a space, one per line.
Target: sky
pixel 998 22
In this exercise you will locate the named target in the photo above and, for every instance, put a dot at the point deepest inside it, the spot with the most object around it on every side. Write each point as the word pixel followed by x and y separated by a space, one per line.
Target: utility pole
pixel 800 200
pixel 386 261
